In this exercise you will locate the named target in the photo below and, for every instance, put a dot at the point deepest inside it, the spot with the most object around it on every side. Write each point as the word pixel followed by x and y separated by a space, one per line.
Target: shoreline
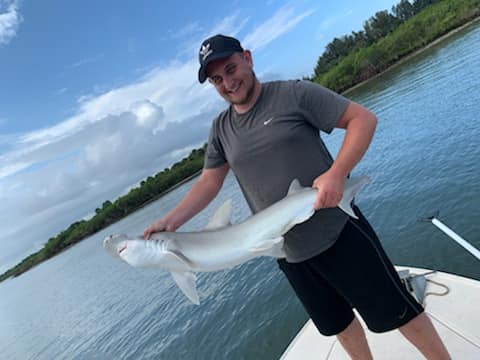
pixel 414 54
pixel 173 187
pixel 196 174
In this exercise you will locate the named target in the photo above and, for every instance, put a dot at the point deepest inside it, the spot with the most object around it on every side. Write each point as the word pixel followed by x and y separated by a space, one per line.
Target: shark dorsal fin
pixel 221 217
pixel 294 187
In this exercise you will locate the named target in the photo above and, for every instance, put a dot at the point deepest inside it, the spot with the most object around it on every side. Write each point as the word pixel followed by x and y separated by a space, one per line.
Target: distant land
pixel 388 38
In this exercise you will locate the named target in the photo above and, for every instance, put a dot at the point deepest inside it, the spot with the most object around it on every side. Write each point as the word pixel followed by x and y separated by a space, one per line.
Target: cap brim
pixel 202 72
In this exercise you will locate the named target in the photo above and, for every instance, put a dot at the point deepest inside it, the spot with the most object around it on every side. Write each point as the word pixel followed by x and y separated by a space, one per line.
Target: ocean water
pixel 425 157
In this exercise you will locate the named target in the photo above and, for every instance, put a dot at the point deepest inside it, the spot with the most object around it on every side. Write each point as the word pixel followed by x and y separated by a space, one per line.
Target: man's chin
pixel 234 100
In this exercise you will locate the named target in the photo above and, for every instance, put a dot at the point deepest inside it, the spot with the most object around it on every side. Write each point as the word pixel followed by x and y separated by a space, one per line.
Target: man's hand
pixel 158 226
pixel 330 190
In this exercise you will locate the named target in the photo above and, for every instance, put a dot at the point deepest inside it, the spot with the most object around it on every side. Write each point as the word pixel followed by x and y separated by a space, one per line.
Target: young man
pixel 269 135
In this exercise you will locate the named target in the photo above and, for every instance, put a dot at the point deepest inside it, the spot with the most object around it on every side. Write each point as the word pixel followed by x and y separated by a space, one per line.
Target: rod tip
pixel 429 218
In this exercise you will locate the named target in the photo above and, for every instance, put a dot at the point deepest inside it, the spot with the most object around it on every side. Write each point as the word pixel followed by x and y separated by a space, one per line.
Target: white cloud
pixel 230 25
pixel 85 61
pixel 12 168
pixel 10 19
pixel 60 91
pixel 181 153
pixel 149 114
pixel 281 22
pixel 188 30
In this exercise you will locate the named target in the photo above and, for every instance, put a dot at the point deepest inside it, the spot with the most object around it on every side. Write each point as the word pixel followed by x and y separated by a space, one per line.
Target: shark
pixel 222 245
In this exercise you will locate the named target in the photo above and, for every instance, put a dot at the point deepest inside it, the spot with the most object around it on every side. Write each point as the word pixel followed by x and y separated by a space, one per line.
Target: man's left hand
pixel 330 190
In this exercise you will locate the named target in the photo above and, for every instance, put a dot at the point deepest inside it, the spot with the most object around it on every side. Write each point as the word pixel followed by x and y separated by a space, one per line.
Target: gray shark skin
pixel 222 245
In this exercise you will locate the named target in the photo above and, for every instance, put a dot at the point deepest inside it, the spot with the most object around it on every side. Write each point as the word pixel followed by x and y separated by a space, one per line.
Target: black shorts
pixel 355 273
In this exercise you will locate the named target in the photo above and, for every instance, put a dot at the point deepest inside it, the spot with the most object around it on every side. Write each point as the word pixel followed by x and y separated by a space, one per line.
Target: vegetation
pixel 149 190
pixel 386 38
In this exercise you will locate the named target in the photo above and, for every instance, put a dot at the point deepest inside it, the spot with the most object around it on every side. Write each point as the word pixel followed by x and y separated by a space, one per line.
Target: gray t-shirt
pixel 276 141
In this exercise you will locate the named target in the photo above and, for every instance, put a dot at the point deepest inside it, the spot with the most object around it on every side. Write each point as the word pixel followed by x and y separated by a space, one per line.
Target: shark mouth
pixel 122 249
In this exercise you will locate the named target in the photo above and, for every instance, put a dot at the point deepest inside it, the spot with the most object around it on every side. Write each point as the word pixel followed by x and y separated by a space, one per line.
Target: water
pixel 85 305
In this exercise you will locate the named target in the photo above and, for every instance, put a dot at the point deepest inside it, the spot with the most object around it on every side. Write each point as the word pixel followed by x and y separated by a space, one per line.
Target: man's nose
pixel 228 82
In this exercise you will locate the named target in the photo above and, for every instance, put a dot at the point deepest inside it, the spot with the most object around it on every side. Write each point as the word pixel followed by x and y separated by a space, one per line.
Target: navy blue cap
pixel 216 47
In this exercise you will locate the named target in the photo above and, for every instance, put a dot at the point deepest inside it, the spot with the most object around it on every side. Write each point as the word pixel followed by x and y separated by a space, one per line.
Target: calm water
pixel 425 157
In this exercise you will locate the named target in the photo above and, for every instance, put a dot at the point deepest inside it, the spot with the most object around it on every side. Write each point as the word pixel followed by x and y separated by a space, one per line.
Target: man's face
pixel 233 78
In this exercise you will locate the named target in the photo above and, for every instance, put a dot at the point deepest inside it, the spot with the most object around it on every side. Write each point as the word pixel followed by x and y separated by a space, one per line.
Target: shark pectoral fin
pixel 176 260
pixel 270 247
pixel 352 186
pixel 221 217
pixel 186 281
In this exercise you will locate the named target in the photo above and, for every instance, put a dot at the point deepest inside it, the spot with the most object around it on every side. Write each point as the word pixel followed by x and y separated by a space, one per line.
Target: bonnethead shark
pixel 222 245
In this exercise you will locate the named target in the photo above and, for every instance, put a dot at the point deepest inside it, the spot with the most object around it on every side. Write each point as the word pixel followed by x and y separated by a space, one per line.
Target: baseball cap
pixel 216 47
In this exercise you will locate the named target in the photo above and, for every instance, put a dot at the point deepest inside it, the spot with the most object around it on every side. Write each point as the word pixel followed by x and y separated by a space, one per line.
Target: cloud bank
pixel 54 176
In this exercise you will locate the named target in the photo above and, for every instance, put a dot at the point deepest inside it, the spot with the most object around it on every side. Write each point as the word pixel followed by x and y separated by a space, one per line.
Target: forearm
pixel 201 193
pixel 199 196
pixel 360 125
pixel 358 136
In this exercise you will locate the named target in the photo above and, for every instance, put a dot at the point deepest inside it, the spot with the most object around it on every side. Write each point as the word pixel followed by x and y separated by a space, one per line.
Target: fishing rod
pixel 452 234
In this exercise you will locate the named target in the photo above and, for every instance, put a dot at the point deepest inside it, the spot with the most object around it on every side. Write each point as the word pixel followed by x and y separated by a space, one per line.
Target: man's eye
pixel 216 80
pixel 231 69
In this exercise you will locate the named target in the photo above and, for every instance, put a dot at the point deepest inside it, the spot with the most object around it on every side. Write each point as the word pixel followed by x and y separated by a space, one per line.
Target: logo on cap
pixel 205 51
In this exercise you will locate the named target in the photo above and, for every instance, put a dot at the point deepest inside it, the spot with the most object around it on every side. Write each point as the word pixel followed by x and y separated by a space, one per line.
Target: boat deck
pixel 452 303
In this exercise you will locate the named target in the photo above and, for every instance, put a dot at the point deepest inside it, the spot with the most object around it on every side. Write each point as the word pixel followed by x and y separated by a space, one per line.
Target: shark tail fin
pixel 352 186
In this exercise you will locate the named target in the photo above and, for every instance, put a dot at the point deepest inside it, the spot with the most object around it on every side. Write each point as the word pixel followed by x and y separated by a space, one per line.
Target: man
pixel 269 135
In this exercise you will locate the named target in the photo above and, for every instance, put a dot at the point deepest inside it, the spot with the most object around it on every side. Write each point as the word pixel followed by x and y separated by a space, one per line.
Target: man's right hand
pixel 158 226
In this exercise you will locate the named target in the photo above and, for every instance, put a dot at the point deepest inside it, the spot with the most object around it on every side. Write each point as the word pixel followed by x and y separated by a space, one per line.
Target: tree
pixel 403 10
pixel 419 5
pixel 380 25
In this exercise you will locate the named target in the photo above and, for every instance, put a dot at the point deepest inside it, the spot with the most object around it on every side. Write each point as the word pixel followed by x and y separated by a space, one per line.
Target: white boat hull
pixel 455 315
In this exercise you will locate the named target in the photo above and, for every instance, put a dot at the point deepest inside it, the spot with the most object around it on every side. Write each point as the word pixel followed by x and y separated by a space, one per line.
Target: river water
pixel 425 157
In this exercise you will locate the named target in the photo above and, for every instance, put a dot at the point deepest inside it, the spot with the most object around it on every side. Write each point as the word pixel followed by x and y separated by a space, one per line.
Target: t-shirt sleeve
pixel 214 155
pixel 321 106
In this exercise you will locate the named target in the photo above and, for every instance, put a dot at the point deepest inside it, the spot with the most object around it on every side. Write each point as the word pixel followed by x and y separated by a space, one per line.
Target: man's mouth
pixel 237 86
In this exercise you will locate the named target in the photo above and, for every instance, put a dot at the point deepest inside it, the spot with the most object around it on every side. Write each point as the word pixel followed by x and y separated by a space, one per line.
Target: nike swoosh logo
pixel 403 314
pixel 268 121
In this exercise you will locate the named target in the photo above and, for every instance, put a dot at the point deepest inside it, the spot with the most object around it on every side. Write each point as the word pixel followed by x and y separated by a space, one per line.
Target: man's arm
pixel 202 192
pixel 360 125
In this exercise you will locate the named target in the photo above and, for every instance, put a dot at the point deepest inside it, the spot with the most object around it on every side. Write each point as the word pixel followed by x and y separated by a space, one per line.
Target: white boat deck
pixel 455 315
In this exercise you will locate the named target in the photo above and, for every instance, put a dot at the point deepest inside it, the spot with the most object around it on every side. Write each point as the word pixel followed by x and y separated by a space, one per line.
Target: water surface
pixel 425 157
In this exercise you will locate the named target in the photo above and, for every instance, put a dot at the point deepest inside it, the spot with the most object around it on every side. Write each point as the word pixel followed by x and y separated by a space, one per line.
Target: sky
pixel 97 95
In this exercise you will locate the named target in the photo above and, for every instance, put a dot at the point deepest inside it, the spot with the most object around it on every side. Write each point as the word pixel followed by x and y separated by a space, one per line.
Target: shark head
pixel 115 244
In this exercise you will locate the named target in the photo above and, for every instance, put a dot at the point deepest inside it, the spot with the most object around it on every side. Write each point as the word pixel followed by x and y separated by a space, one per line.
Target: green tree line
pixel 150 189
pixel 386 38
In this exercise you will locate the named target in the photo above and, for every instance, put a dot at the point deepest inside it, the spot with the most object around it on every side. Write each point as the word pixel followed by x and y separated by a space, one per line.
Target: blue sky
pixel 97 95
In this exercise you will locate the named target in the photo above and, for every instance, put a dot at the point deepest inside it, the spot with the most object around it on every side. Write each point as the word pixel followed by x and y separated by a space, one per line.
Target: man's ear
pixel 248 57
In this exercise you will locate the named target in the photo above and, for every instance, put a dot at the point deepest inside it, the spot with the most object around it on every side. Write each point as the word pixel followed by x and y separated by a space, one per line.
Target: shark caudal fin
pixel 352 186
pixel 222 216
